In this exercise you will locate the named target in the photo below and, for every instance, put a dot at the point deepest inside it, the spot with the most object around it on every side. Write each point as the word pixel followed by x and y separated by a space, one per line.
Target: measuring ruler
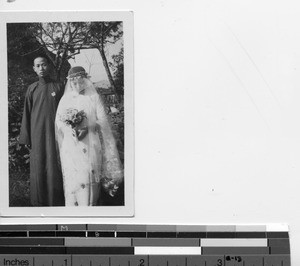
pixel 143 245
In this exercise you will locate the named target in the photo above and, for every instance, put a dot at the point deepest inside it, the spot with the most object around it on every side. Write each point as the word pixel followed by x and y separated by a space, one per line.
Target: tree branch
pixel 110 27
pixel 30 52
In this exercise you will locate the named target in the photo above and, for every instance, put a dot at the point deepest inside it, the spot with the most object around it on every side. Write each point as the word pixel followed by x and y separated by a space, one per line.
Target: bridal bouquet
pixel 72 117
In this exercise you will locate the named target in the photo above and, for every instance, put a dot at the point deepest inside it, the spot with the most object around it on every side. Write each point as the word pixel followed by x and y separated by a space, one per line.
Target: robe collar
pixel 44 80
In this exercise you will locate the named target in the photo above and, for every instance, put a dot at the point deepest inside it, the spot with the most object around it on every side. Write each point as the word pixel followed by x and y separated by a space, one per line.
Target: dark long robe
pixel 38 131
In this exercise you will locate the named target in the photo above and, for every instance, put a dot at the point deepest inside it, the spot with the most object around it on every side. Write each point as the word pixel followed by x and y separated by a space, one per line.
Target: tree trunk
pixel 105 63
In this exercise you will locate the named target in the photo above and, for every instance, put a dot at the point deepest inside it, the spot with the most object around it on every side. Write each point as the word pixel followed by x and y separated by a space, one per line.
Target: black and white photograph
pixel 70 122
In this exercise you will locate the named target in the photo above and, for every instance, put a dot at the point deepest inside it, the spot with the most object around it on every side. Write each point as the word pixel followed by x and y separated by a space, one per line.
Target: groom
pixel 38 134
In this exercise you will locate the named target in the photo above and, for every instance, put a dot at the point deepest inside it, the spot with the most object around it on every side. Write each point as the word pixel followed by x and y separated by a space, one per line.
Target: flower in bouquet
pixel 72 117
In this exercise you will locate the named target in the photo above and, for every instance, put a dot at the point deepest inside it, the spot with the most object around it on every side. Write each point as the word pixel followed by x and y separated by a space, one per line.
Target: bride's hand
pixel 82 132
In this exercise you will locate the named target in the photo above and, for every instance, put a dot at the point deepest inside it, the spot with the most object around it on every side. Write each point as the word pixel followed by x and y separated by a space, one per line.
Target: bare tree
pixel 90 62
pixel 63 39
pixel 101 35
pixel 66 39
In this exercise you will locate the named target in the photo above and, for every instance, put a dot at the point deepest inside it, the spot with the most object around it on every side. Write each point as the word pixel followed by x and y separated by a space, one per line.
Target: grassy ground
pixel 19 195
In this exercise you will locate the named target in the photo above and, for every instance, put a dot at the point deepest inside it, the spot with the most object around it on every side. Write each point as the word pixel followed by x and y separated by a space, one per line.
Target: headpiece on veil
pixel 77 71
pixel 86 87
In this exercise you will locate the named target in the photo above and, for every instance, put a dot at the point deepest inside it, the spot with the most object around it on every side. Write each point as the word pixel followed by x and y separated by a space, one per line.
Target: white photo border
pixel 68 16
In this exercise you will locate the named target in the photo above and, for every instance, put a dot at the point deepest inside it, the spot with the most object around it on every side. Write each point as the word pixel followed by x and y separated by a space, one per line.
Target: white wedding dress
pixel 85 162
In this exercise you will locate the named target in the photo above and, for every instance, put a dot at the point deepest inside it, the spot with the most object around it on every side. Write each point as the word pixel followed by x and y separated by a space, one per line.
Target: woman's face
pixel 78 84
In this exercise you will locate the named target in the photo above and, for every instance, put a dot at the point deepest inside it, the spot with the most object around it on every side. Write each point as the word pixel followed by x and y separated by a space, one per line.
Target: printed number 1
pixel 66 262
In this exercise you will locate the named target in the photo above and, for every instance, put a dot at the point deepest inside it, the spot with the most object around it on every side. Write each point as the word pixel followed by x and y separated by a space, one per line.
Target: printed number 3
pixel 220 262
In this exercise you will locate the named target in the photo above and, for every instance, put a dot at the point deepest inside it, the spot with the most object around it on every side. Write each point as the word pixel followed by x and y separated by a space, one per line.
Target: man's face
pixel 41 67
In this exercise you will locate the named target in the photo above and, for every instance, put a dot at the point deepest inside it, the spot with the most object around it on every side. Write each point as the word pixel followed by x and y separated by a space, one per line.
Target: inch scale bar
pixel 144 260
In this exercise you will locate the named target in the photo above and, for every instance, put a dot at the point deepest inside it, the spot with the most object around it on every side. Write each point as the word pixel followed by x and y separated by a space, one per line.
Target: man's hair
pixel 41 56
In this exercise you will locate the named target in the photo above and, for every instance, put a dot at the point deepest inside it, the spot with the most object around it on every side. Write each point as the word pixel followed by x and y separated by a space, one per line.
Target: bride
pixel 87 148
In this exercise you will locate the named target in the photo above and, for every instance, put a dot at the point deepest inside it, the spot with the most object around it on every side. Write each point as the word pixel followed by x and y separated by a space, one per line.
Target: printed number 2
pixel 142 262
pixel 220 262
